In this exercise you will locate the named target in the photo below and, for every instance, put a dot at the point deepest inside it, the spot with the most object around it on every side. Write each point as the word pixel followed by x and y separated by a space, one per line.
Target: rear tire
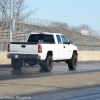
pixel 72 63
pixel 47 64
pixel 16 64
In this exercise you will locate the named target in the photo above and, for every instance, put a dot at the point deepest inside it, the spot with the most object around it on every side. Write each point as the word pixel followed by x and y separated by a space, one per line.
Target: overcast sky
pixel 73 12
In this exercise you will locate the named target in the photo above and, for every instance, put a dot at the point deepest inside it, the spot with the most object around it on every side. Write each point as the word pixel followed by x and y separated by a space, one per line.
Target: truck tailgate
pixel 24 48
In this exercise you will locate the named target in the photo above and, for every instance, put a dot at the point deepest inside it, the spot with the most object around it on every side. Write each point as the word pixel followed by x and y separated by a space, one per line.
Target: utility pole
pixel 11 21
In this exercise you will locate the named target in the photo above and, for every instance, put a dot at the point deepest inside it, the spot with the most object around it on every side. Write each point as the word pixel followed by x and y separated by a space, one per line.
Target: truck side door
pixel 67 48
pixel 60 48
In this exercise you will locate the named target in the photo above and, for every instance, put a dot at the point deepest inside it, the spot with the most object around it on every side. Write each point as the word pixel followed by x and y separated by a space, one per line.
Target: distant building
pixel 85 32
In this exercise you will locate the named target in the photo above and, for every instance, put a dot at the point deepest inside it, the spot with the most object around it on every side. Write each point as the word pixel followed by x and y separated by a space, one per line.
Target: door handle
pixel 23 46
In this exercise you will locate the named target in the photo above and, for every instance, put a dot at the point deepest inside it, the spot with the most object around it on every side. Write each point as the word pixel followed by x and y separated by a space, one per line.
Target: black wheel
pixel 16 64
pixel 72 63
pixel 47 64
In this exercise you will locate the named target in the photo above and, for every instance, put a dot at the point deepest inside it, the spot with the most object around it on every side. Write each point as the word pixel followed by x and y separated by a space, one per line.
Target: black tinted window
pixel 58 39
pixel 41 37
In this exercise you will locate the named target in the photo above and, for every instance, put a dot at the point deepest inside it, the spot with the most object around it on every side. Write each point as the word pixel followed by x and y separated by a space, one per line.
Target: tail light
pixel 8 47
pixel 39 49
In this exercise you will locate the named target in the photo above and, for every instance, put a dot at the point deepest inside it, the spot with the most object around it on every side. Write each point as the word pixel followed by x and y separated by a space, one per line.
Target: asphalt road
pixel 85 93
pixel 6 72
pixel 31 83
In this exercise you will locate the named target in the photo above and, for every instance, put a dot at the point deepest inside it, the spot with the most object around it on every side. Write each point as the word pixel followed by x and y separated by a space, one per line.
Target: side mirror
pixel 70 42
pixel 64 42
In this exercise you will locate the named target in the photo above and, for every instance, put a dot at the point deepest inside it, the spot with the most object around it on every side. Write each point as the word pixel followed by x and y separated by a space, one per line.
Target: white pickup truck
pixel 43 48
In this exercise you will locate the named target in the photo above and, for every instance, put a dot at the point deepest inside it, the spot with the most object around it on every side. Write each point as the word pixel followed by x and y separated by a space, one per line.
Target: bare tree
pixel 3 12
pixel 19 14
pixel 59 24
pixel 84 27
pixel 75 29
pixel 19 9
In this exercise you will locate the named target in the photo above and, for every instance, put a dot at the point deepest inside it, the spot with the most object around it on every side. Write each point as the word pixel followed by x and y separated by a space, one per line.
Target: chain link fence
pixel 23 29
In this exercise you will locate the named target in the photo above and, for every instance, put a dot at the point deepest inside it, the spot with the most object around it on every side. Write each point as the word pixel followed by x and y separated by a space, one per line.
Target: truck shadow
pixel 6 72
pixel 20 72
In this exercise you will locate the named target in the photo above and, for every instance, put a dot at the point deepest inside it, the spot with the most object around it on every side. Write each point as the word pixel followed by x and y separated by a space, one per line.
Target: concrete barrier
pixel 89 55
pixel 3 58
pixel 82 56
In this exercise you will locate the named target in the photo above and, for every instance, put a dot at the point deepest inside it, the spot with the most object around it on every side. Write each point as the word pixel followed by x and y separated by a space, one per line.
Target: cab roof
pixel 46 33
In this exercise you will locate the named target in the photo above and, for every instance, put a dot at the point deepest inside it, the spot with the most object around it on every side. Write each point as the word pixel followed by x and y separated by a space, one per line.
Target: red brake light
pixel 8 47
pixel 41 33
pixel 39 49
